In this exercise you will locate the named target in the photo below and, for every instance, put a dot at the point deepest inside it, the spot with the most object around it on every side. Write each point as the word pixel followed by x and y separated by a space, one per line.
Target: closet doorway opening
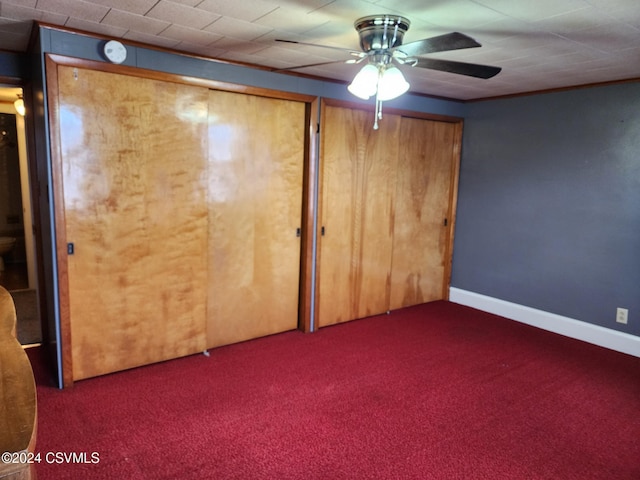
pixel 18 268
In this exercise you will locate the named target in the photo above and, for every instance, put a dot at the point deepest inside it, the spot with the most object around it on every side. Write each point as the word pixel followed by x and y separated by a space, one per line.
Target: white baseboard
pixel 587 332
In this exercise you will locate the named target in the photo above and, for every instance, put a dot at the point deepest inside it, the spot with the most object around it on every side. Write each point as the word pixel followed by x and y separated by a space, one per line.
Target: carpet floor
pixel 437 391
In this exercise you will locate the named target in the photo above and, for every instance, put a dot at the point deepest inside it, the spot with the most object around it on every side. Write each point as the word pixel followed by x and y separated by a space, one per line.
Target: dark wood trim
pixel 318 232
pixel 176 78
pixel 556 90
pixel 453 204
pixel 14 81
pixel 332 102
pixel 51 68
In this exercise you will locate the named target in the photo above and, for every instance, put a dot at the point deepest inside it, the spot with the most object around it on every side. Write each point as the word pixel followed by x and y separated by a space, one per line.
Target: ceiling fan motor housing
pixel 379 32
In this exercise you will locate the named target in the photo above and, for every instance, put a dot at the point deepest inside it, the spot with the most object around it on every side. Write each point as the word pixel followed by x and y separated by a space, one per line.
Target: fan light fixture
pixel 365 83
pixel 19 106
pixel 392 84
pixel 381 44
pixel 380 78
pixel 384 81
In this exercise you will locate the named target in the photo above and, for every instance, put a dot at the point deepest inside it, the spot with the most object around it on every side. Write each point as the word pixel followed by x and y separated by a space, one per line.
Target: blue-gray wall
pixel 549 203
pixel 13 66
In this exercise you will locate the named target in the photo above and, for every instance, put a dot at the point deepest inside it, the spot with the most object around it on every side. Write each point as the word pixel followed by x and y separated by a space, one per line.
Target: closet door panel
pixel 423 198
pixel 358 167
pixel 256 159
pixel 134 162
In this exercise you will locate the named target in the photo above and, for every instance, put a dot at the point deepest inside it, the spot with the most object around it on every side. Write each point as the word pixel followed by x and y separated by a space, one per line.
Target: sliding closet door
pixel 133 167
pixel 358 167
pixel 256 158
pixel 423 211
pixel 387 204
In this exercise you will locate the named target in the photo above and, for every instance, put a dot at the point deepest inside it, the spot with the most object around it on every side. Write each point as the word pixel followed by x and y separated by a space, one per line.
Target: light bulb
pixel 392 84
pixel 19 106
pixel 365 82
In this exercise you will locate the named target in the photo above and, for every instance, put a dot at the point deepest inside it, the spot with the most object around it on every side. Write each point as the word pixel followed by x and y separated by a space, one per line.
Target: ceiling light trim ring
pixel 381 32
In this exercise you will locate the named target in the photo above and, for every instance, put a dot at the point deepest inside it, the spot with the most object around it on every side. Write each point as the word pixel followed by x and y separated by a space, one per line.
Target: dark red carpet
pixel 438 391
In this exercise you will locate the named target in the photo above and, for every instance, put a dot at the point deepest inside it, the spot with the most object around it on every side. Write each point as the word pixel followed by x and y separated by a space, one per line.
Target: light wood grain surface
pixel 387 211
pixel 134 168
pixel 358 188
pixel 422 200
pixel 18 407
pixel 256 159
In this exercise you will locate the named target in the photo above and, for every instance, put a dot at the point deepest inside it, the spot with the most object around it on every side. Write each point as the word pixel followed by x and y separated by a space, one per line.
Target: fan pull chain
pixel 378 113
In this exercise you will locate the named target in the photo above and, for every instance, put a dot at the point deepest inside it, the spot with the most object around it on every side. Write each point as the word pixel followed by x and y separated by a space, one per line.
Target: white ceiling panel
pixel 542 44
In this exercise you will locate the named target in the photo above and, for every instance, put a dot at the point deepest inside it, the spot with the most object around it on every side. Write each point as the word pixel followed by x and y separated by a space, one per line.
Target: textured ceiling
pixel 540 45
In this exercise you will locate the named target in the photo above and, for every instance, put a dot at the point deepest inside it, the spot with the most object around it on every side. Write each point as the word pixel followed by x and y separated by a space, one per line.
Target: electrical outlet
pixel 621 315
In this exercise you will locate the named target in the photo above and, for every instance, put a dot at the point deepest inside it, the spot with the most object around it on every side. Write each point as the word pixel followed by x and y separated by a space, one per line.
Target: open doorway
pixel 17 245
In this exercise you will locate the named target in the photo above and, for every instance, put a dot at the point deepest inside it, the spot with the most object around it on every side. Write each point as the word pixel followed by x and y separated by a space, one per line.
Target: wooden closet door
pixel 423 211
pixel 256 159
pixel 358 167
pixel 133 174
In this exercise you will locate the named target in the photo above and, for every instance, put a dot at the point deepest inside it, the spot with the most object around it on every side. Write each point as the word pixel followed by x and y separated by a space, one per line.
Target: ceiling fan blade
pixel 441 43
pixel 348 50
pixel 469 69
pixel 313 65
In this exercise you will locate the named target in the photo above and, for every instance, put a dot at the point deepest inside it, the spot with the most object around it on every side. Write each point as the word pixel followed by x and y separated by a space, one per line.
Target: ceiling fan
pixel 381 43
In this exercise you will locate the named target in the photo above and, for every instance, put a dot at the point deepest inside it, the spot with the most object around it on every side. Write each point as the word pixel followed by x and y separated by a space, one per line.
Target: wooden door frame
pixel 52 61
pixel 309 210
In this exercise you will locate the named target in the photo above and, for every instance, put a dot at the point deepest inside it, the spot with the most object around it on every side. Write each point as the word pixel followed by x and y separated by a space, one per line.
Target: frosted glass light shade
pixel 392 84
pixel 365 82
